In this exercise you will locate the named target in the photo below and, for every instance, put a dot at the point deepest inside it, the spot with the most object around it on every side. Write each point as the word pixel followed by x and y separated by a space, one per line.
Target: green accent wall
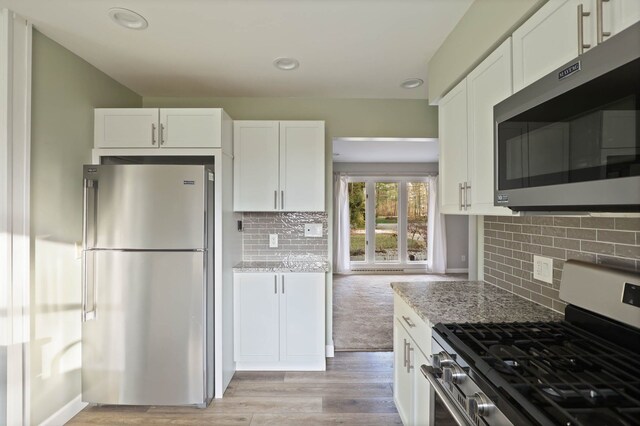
pixel 343 117
pixel 65 90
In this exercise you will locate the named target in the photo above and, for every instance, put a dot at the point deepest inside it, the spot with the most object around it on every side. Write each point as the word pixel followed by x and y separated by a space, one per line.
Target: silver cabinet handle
pixel 467 195
pixel 409 366
pixel 408 321
pixel 275 284
pixel 162 141
pixel 404 355
pixel 153 133
pixel 283 284
pixel 282 200
pixel 581 15
pixel 459 196
pixel 275 199
pixel 459 415
pixel 600 33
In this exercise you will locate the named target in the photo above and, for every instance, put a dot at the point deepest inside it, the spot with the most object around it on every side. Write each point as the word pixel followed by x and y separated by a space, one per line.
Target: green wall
pixel 485 25
pixel 65 89
pixel 344 117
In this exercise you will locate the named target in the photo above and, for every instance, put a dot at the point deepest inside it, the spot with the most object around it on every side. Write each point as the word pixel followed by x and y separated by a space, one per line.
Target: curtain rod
pixel 373 175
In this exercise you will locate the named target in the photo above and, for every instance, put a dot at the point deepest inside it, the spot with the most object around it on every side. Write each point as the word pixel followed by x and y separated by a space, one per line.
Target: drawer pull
pixel 408 321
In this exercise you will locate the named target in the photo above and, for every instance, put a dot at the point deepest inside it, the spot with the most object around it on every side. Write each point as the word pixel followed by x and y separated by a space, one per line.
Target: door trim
pixel 15 234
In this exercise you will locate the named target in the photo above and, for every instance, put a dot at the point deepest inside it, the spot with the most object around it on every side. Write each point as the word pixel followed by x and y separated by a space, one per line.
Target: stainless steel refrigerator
pixel 147 300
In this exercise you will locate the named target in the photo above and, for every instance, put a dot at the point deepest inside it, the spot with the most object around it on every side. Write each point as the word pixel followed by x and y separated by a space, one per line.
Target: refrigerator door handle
pixel 88 210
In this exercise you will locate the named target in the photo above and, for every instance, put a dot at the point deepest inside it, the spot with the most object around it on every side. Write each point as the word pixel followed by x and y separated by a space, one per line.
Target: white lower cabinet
pixel 279 321
pixel 411 346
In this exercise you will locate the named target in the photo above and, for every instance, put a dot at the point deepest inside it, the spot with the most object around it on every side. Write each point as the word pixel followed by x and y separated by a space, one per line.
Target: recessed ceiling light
pixel 286 64
pixel 412 83
pixel 128 18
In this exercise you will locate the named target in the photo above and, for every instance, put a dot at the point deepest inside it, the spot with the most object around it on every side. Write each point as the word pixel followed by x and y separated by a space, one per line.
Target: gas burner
pixel 510 358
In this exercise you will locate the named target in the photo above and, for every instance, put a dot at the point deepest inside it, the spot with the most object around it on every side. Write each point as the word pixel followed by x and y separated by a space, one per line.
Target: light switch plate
pixel 313 230
pixel 273 240
pixel 543 269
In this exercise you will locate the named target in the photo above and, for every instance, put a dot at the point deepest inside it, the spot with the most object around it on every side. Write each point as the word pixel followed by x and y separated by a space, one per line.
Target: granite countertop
pixel 469 301
pixel 283 266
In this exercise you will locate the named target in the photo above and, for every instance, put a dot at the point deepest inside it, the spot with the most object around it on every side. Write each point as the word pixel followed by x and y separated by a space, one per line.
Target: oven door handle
pixel 460 417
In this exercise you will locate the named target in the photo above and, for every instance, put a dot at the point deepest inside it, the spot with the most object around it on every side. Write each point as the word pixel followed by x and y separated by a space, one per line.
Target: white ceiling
pixel 385 150
pixel 346 48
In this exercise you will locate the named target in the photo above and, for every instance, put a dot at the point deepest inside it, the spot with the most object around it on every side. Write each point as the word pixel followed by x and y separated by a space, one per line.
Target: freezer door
pixel 146 343
pixel 146 207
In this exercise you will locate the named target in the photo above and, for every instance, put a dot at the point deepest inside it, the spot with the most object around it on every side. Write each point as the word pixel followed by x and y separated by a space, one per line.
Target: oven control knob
pixel 453 374
pixel 442 359
pixel 479 405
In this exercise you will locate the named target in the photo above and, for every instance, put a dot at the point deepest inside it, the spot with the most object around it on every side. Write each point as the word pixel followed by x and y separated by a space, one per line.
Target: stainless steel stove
pixel 584 370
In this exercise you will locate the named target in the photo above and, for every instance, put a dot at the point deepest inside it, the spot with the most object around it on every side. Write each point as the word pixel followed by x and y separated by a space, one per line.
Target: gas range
pixel 584 370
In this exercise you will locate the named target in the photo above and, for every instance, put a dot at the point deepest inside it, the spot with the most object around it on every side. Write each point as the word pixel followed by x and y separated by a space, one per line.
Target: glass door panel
pixel 417 207
pixel 386 222
pixel 357 220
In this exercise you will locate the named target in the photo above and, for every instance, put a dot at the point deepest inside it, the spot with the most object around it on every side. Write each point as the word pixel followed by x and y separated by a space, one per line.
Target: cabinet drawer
pixel 419 329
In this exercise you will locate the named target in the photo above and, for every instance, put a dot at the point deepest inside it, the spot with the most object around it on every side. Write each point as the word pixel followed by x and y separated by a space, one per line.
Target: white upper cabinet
pixel 487 85
pixel 554 35
pixel 466 136
pixel 126 128
pixel 302 165
pixel 452 127
pixel 279 166
pixel 256 171
pixel 563 29
pixel 190 127
pixel 617 15
pixel 158 128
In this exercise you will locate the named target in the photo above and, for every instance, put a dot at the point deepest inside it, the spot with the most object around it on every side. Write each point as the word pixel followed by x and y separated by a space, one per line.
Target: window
pixel 388 221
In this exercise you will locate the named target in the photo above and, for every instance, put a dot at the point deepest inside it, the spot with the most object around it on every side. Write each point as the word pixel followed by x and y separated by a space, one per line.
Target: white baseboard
pixel 330 351
pixel 457 271
pixel 66 413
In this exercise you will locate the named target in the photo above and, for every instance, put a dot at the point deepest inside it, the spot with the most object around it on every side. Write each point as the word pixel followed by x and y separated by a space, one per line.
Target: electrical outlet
pixel 313 230
pixel 543 269
pixel 273 240
pixel 463 258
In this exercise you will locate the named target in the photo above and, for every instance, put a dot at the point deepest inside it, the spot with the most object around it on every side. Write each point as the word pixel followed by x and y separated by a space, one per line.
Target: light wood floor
pixel 356 389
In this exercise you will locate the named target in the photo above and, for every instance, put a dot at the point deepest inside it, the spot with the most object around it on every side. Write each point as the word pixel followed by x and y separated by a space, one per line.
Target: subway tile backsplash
pixel 292 244
pixel 511 242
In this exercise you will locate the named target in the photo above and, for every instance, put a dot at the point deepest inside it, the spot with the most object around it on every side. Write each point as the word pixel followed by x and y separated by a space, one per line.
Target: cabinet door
pixel 452 119
pixel 423 409
pixel 302 165
pixel 618 15
pixel 190 127
pixel 549 39
pixel 126 128
pixel 256 325
pixel 302 308
pixel 402 378
pixel 488 84
pixel 255 166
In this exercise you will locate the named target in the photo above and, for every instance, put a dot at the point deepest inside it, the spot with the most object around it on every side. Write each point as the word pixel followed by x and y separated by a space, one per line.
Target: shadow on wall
pixel 55 346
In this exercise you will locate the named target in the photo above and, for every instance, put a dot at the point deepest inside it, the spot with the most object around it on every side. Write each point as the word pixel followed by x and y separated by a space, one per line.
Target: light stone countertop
pixel 283 266
pixel 469 301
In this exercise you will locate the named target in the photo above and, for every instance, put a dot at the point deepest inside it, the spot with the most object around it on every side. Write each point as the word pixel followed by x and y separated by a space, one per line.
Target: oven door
pixel 448 412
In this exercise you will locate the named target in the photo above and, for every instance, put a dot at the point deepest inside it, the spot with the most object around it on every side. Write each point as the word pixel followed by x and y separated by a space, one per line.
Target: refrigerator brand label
pixel 92 170
pixel 569 70
pixel 189 182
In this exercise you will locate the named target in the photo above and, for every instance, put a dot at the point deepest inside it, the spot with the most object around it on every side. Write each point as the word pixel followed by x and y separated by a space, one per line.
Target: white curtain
pixel 436 235
pixel 341 223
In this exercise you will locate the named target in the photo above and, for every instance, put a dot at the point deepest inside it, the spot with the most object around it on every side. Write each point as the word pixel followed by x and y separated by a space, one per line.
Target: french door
pixel 388 219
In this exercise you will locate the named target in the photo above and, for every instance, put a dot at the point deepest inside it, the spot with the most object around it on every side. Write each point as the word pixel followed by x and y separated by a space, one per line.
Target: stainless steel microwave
pixel 571 140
